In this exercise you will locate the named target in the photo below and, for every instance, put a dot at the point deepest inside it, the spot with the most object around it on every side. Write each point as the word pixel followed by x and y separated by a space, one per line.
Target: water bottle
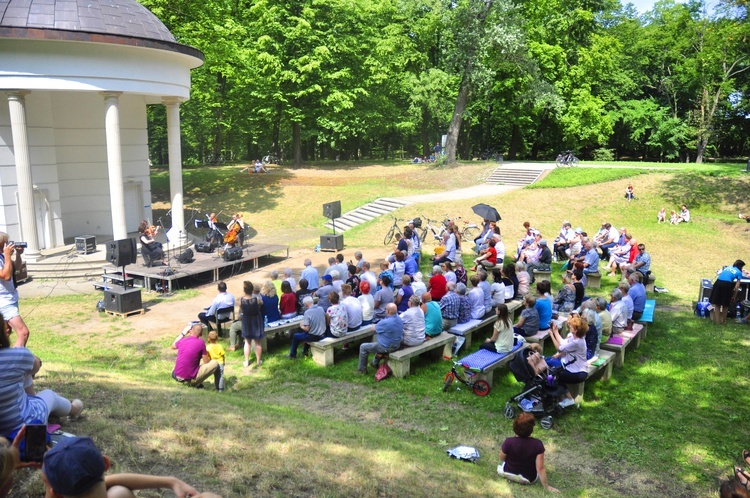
pixel 265 322
pixel 317 248
pixel 739 314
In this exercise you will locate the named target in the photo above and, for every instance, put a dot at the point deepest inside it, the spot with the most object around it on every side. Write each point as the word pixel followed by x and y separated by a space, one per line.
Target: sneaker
pixel 362 372
pixel 567 402
pixel 290 357
pixel 75 409
pixel 260 363
pixel 740 216
pixel 246 363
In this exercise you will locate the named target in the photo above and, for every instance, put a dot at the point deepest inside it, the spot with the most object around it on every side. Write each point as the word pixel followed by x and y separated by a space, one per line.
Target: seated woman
pixel 270 301
pixel 151 250
pixel 619 255
pixel 522 457
pixel 511 282
pixel 337 318
pixel 20 407
pixel 489 258
pixel 288 303
pixel 566 296
pixel 524 279
pixel 578 285
pixel 684 216
pixel 528 322
pixel 502 333
pixel 571 353
pixel 497 289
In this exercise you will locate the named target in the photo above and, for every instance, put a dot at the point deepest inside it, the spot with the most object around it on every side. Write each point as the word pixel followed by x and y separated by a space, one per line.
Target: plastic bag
pixel 465 453
pixel 383 371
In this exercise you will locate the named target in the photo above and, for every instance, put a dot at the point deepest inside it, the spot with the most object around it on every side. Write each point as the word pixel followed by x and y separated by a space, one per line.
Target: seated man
pixel 637 293
pixel 389 332
pixel 313 327
pixel 450 305
pixel 544 261
pixel 414 324
pixel 449 253
pixel 609 240
pixel 324 291
pixel 618 311
pixel 222 300
pixel 193 364
pixel 76 467
pixel 641 263
pixel 563 240
pixel 590 260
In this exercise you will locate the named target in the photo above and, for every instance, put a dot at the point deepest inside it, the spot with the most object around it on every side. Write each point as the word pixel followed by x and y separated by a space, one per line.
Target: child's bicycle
pixel 480 387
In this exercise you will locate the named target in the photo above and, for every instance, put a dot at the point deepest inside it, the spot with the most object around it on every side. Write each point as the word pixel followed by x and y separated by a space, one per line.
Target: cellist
pixel 235 231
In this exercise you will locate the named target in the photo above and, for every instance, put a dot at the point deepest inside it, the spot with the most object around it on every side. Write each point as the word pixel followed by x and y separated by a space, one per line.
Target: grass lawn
pixel 669 423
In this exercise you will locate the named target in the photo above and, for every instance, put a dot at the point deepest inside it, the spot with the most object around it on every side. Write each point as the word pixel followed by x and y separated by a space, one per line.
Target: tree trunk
pixel 297 143
pixel 515 138
pixel 462 100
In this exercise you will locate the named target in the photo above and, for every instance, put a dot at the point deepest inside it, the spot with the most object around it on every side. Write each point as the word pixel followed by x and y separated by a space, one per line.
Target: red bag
pixel 383 371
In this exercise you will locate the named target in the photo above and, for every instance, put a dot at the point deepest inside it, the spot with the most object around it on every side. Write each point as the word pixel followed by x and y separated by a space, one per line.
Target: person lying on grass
pixel 522 457
pixel 75 468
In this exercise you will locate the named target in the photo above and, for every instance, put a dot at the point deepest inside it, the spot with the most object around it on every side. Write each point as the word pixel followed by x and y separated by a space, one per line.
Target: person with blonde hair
pixel 270 301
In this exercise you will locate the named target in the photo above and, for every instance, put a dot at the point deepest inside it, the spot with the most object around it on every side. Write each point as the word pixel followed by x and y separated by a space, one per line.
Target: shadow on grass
pixel 711 188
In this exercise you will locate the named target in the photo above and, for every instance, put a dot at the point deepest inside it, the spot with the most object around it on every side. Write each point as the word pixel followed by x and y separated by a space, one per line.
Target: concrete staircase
pixel 512 176
pixel 368 212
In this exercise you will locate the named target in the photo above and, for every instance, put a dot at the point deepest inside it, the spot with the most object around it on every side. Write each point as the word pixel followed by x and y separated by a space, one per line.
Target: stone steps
pixel 509 176
pixel 365 213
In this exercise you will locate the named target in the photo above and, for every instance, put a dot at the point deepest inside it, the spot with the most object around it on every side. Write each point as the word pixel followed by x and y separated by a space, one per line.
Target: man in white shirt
pixel 414 323
pixel 370 277
pixel 222 300
pixel 353 308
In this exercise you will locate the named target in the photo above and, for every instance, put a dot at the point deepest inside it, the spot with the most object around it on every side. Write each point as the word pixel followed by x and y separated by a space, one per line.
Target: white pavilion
pixel 77 77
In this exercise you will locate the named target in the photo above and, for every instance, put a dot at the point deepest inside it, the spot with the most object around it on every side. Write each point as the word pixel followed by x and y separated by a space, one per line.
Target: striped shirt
pixel 17 407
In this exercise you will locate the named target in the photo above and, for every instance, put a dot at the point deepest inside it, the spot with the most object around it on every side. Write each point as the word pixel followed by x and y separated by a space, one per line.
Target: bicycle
pixel 392 231
pixel 480 387
pixel 566 159
pixel 468 233
pixel 428 228
pixel 271 159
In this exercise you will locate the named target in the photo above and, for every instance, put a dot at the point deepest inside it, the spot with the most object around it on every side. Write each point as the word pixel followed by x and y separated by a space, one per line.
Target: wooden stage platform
pixel 206 268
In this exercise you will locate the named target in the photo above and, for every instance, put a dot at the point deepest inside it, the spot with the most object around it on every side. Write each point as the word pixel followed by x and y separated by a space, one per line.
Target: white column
pixel 17 107
pixel 175 165
pixel 114 164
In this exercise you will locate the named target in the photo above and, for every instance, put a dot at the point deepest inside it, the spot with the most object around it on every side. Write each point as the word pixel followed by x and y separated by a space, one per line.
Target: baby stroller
pixel 541 391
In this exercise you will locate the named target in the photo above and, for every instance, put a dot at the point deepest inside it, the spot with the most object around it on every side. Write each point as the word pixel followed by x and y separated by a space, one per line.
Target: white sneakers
pixel 75 409
pixel 567 402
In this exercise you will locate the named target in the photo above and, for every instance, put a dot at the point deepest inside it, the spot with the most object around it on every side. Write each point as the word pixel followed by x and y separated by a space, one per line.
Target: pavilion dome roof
pixel 125 18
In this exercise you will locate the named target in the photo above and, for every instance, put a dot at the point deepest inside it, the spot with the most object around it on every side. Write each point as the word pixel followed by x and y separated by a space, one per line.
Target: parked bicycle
pixel 469 232
pixel 392 231
pixel 428 227
pixel 566 159
pixel 480 387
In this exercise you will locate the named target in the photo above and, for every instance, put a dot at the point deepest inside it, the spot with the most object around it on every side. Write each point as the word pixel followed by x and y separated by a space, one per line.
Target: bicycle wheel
pixel 469 234
pixel 574 162
pixel 389 236
pixel 448 381
pixel 481 388
pixel 424 235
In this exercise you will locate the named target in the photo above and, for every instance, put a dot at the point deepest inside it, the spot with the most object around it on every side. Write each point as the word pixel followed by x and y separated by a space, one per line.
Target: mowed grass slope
pixel 671 422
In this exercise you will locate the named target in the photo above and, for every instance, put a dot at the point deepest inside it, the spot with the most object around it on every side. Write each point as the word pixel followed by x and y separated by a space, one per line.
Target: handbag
pixel 383 371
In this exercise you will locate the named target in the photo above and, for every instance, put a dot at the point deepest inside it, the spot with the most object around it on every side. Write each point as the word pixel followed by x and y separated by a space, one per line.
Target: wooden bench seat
pixel 322 351
pixel 540 337
pixel 618 344
pixel 648 315
pixel 542 275
pixel 487 362
pixel 602 367
pixel 400 361
pixel 593 280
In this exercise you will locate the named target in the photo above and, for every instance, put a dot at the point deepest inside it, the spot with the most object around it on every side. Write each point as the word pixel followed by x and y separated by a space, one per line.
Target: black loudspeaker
pixel 233 254
pixel 122 252
pixel 121 300
pixel 186 257
pixel 332 210
pixel 332 242
pixel 204 247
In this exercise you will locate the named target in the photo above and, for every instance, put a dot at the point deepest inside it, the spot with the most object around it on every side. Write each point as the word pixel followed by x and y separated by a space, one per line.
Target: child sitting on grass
pixel 216 352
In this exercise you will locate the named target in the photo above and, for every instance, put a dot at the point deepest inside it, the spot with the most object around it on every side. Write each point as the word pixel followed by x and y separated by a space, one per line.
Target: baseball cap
pixel 328 278
pixel 543 242
pixel 73 466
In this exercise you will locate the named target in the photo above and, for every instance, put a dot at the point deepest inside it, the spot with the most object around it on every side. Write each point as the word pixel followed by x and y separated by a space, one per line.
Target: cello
pixel 235 227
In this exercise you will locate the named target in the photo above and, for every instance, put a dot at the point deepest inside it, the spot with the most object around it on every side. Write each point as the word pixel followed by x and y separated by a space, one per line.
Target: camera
pixel 20 245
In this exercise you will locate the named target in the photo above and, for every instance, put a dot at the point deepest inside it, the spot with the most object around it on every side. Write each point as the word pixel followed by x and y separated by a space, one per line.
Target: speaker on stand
pixel 332 242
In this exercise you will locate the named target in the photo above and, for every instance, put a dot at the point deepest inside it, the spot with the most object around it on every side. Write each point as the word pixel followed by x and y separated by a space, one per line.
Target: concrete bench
pixel 283 327
pixel 322 351
pixel 539 337
pixel 648 315
pixel 487 361
pixel 543 275
pixel 594 280
pixel 602 367
pixel 650 283
pixel 466 330
pixel 618 344
pixel 400 361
